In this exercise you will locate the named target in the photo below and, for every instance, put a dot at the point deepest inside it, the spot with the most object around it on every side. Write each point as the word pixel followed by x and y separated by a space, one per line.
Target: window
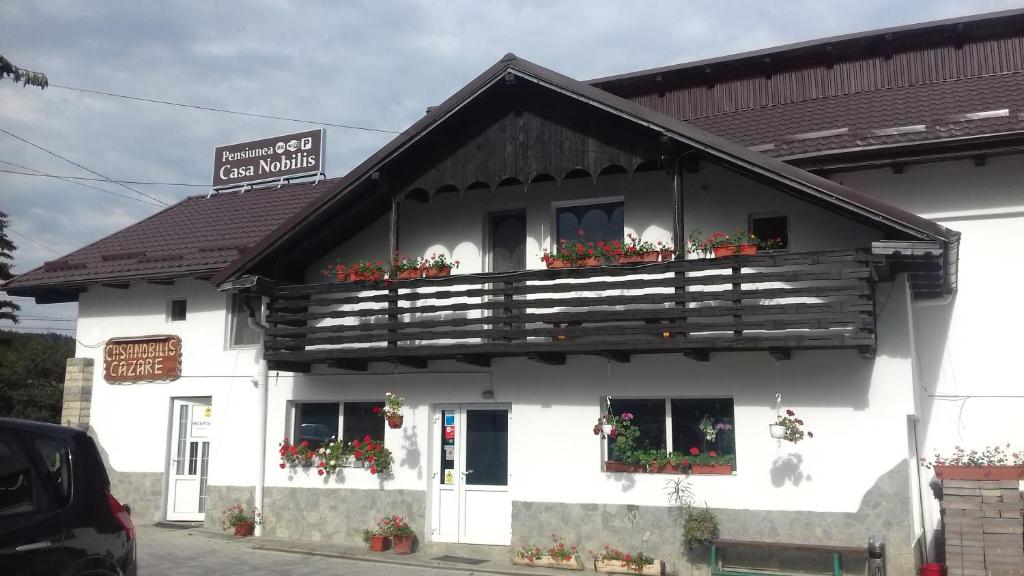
pixel 17 494
pixel 240 331
pixel 316 422
pixel 360 421
pixel 771 227
pixel 677 425
pixel 55 457
pixel 597 221
pixel 177 311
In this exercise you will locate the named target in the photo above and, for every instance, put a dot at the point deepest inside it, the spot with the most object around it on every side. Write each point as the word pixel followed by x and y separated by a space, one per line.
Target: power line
pixel 40 244
pixel 227 111
pixel 48 318
pixel 71 180
pixel 87 179
pixel 52 153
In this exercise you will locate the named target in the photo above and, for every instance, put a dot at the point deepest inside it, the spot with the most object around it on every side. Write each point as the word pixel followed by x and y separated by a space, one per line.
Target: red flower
pixel 713 454
pixel 283 465
pixel 366 438
pixel 790 413
pixel 358 454
pixel 694 451
pixel 304 443
pixel 373 469
pixel 371 458
pixel 581 233
pixel 376 409
pixel 320 471
pixel 355 443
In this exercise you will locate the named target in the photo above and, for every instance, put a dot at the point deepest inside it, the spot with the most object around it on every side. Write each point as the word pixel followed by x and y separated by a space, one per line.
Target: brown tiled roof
pixel 195 236
pixel 907 114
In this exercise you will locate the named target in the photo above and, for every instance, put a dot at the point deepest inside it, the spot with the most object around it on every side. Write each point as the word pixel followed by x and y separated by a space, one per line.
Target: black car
pixel 57 515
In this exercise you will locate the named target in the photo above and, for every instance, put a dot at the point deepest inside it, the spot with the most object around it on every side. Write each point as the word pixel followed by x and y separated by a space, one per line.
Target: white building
pixel 882 330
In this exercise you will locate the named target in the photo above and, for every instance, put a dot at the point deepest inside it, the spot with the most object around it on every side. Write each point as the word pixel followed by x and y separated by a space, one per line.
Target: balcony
pixel 771 302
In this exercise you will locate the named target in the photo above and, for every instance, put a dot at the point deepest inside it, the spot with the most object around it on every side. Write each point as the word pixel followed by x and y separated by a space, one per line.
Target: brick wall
pixel 77 392
pixel 984 529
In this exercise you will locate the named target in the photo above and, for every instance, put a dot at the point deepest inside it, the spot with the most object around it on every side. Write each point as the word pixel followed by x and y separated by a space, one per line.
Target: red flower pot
pixel 243 529
pixel 409 274
pixel 554 264
pixel 979 472
pixel 670 469
pixel 395 421
pixel 649 257
pixel 590 262
pixel 667 255
pixel 403 544
pixel 624 259
pixel 741 250
pixel 354 276
pixel 437 272
pixel 722 469
pixel 379 543
pixel 612 466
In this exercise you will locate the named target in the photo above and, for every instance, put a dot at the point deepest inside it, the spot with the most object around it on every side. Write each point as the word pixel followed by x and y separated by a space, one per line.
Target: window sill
pixel 697 470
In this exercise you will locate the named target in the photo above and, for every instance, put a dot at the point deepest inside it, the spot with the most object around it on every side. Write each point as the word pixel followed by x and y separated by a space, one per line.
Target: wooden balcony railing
pixel 774 302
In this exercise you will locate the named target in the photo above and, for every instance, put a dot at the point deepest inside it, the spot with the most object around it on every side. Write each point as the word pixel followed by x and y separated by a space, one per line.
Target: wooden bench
pixel 837 552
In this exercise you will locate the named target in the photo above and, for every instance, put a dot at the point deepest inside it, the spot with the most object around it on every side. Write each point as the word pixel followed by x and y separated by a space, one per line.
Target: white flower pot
pixel 606 429
pixel 778 431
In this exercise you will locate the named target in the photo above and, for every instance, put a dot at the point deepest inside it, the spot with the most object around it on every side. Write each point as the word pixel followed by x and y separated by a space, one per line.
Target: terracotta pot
pixel 612 466
pixel 667 255
pixel 649 257
pixel 671 468
pixel 624 259
pixel 741 250
pixel 721 469
pixel 437 272
pixel 403 544
pixel 590 262
pixel 395 421
pixel 354 276
pixel 409 274
pixel 554 264
pixel 979 472
pixel 379 543
pixel 243 529
pixel 375 276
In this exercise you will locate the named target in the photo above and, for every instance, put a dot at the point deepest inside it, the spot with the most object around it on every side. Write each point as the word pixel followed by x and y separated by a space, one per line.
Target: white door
pixel 190 459
pixel 470 498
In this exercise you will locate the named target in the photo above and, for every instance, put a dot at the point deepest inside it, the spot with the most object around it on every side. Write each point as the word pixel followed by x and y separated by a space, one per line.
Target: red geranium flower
pixel 376 409
pixel 713 454
pixel 373 469
pixel 366 438
pixel 790 413
pixel 358 454
pixel 283 465
pixel 355 443
pixel 694 451
pixel 320 471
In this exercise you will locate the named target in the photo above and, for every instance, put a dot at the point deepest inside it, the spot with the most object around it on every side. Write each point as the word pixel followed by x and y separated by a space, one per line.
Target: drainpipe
pixel 260 380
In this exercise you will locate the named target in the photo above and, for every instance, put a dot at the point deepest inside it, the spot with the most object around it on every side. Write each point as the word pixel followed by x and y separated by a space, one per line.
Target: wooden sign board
pixel 142 359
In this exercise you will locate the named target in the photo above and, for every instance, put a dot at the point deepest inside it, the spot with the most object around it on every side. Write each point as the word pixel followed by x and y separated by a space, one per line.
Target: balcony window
pixel 597 221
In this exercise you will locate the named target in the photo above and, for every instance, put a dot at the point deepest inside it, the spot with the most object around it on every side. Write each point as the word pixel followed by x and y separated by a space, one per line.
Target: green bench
pixel 837 552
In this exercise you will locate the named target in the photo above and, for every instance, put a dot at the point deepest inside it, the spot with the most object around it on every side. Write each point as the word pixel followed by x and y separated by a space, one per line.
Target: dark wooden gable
pixel 521 132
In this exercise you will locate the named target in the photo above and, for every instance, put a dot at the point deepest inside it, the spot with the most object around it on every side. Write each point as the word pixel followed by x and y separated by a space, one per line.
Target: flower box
pixel 943 472
pixel 616 567
pixel 433 272
pixel 243 529
pixel 711 469
pixel 612 466
pixel 573 563
pixel 410 274
pixel 666 468
pixel 555 264
pixel 736 250
pixel 668 255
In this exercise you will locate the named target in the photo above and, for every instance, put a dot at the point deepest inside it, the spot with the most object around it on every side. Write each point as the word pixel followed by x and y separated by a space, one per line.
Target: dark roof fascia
pixel 808 48
pixel 28 289
pixel 711 144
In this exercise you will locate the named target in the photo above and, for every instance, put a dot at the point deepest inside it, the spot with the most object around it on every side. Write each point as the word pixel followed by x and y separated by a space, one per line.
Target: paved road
pixel 174 552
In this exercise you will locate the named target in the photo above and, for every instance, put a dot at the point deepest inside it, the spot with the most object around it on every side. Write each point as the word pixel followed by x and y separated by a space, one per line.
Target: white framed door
pixel 470 498
pixel 191 420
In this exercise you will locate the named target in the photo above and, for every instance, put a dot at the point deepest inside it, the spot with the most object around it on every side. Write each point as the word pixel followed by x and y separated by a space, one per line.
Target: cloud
pixel 377 64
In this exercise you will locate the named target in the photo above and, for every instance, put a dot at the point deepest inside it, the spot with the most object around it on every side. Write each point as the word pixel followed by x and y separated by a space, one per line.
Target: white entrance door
pixel 190 458
pixel 471 502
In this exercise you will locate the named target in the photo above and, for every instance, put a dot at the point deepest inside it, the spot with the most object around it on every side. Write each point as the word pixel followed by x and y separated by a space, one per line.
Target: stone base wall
pixel 143 491
pixel 983 527
pixel 337 515
pixel 220 497
pixel 77 401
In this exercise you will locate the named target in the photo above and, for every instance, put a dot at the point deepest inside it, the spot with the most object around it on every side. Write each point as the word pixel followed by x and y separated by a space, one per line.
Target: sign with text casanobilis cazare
pixel 142 359
pixel 270 159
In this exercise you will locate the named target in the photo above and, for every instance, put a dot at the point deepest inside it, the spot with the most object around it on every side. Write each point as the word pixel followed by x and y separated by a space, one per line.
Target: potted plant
pixel 408 268
pixel 373 453
pixel 243 522
pixel 710 462
pixel 700 526
pixel 376 540
pixel 438 265
pixel 401 534
pixel 366 271
pixel 559 555
pixel 789 428
pixel 295 454
pixel 992 463
pixel 624 453
pixel 638 250
pixel 721 244
pixel 665 252
pixel 392 410
pixel 613 561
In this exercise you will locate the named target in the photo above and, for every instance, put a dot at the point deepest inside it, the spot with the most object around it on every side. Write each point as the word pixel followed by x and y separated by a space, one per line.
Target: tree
pixel 7 307
pixel 26 77
pixel 32 378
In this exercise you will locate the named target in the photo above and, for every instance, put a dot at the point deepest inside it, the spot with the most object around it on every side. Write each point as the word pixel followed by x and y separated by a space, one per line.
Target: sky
pixel 376 64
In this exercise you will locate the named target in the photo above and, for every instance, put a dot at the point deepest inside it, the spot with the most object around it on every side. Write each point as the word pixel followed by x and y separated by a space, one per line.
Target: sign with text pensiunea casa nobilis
pixel 270 159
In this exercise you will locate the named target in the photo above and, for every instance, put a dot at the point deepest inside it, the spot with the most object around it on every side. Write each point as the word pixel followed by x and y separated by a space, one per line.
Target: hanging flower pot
pixel 395 420
pixel 735 250
pixel 778 431
pixel 606 429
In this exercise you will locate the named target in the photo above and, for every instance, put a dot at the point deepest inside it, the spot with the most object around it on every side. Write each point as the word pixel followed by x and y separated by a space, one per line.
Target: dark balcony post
pixel 392 257
pixel 678 241
pixel 507 309
pixel 737 295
